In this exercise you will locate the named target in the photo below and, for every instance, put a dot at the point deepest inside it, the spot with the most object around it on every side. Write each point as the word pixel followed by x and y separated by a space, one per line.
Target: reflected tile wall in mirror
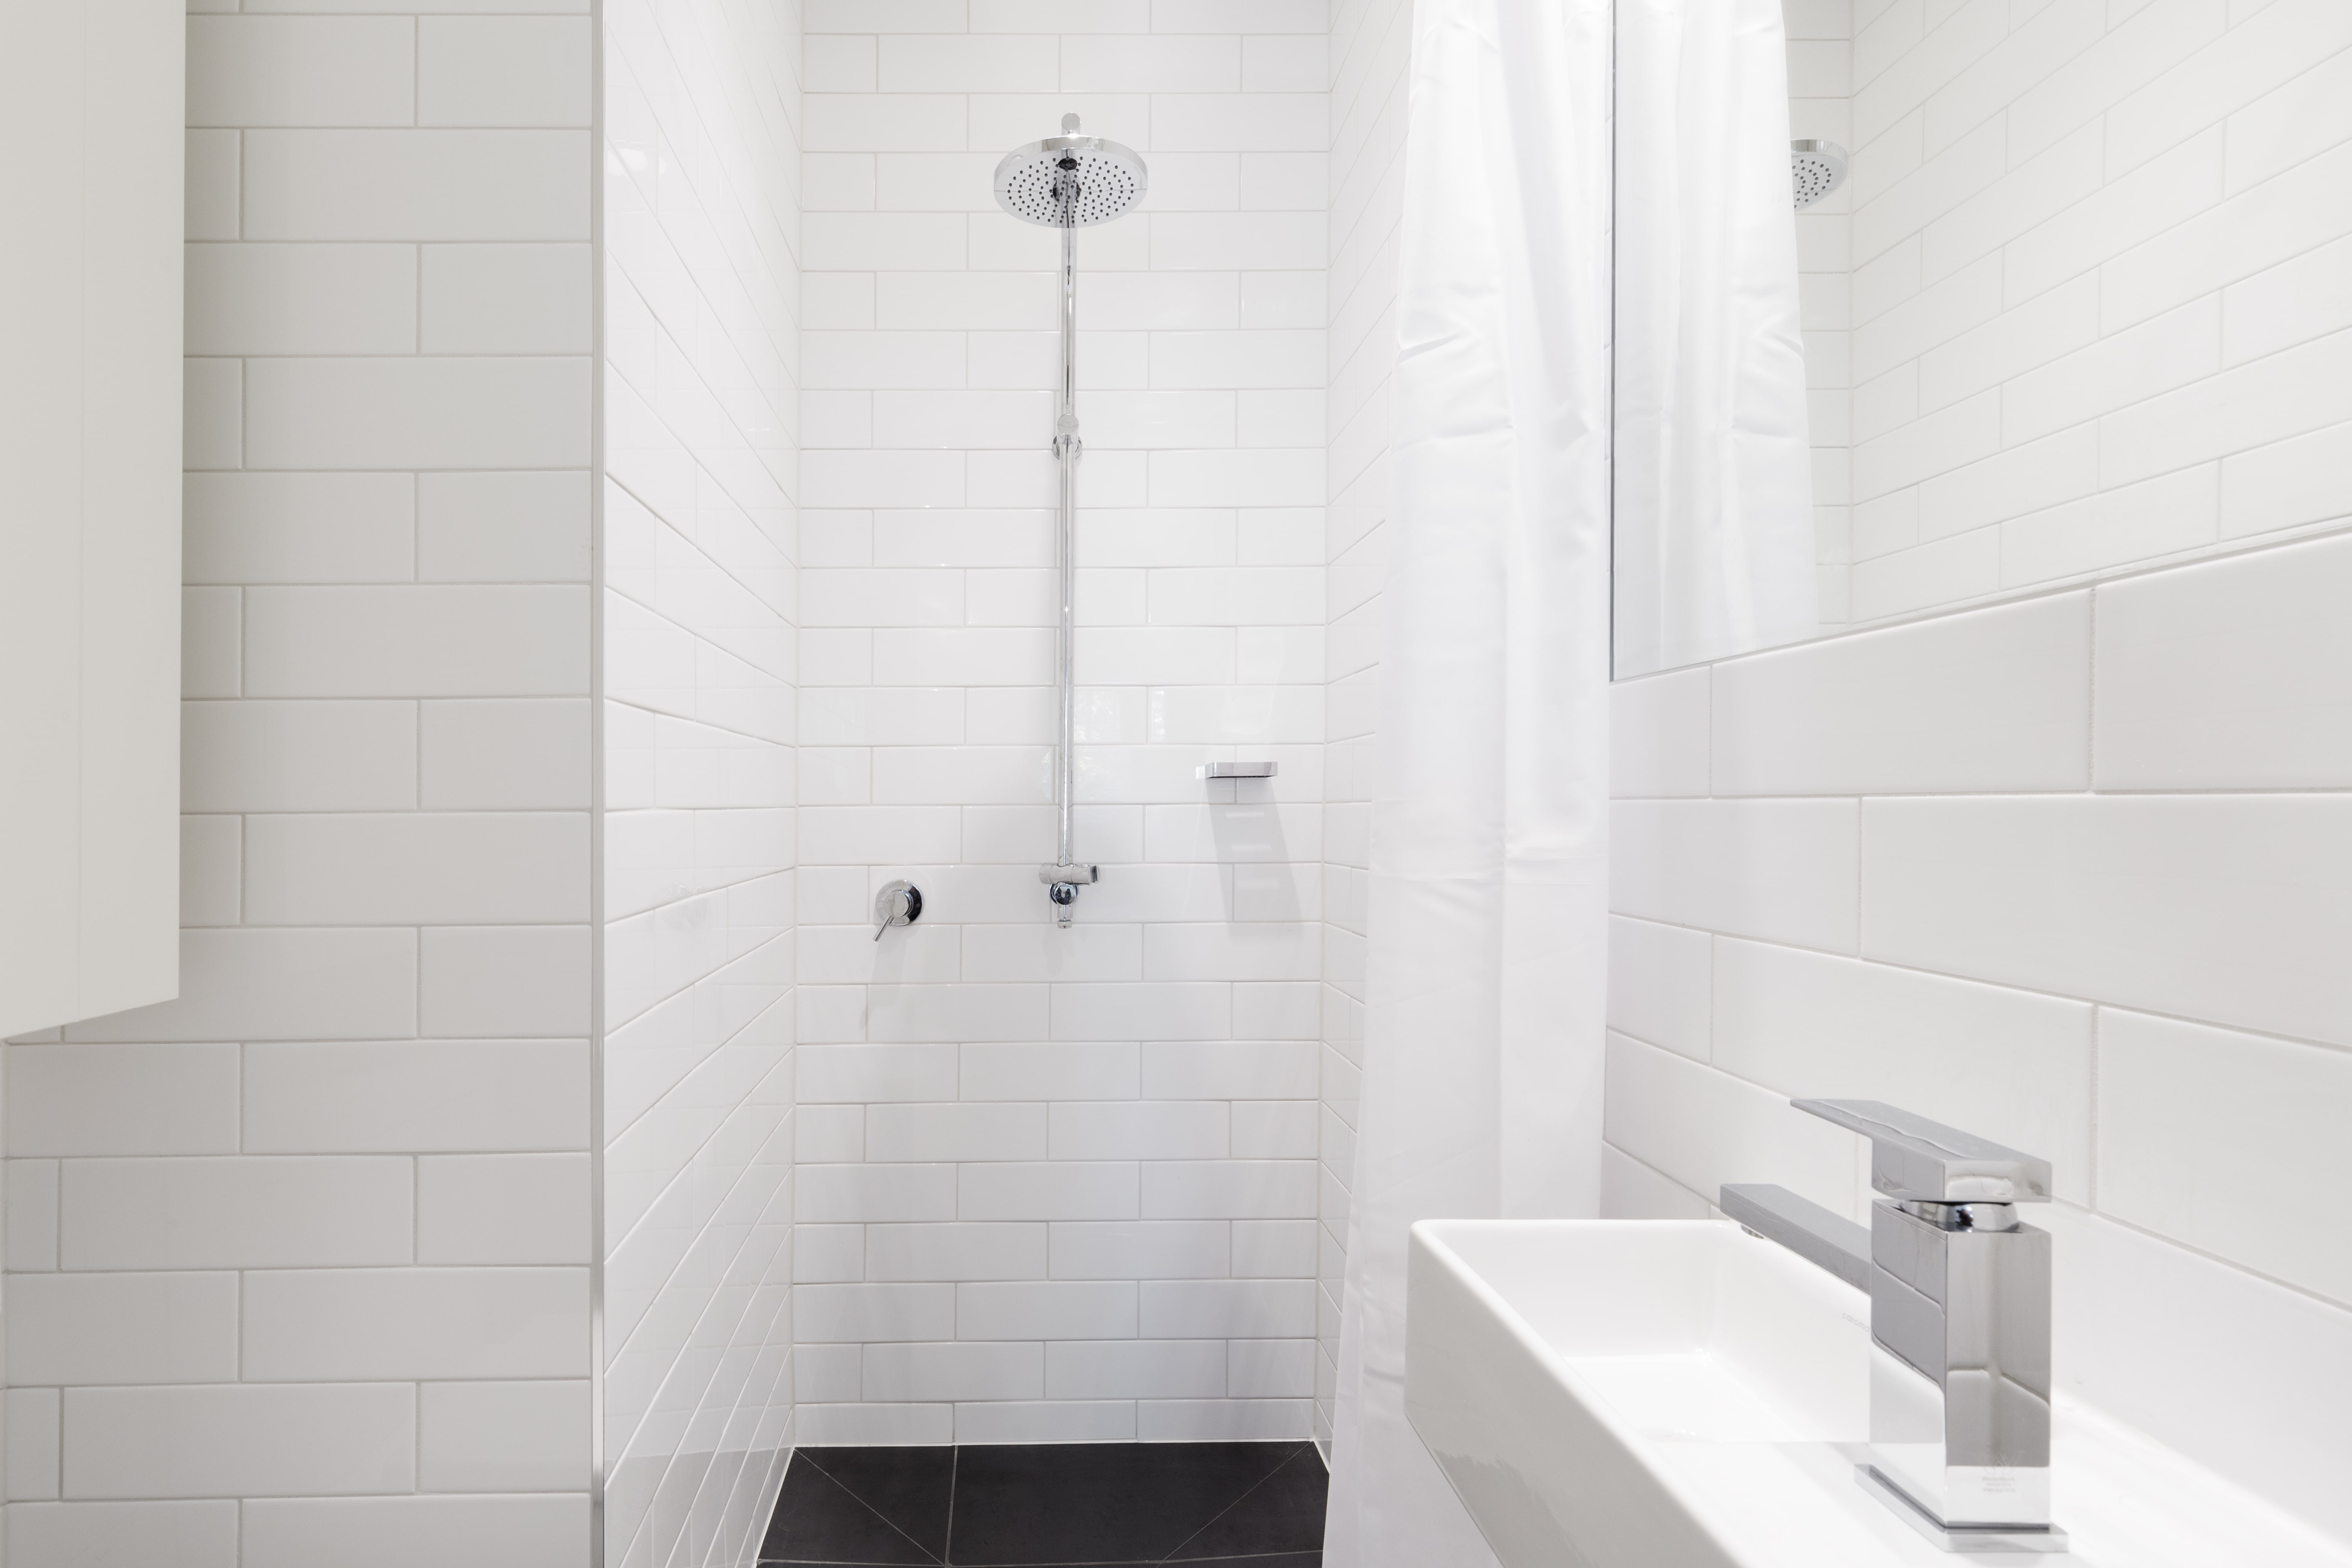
pixel 2078 308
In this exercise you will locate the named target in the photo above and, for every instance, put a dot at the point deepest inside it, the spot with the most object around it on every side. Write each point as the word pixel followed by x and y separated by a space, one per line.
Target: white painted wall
pixel 1371 48
pixel 701 178
pixel 89 515
pixel 1060 1185
pixel 2068 873
pixel 2097 310
pixel 302 1257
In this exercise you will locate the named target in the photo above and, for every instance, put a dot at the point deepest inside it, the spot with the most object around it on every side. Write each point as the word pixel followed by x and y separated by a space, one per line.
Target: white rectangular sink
pixel 1679 1394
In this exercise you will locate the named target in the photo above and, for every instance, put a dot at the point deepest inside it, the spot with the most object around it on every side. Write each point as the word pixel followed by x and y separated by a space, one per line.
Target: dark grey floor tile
pixel 1271 1560
pixel 1027 1506
pixel 1283 1513
pixel 885 1506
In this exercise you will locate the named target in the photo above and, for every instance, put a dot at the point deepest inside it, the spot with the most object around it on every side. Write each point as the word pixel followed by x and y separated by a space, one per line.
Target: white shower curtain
pixel 1714 505
pixel 1482 1073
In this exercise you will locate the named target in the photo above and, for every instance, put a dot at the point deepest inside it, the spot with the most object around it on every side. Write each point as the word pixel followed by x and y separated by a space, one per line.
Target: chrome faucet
pixel 1959 1322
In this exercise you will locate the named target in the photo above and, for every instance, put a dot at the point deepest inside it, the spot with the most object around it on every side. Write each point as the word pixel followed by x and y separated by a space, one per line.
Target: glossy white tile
pixel 2225 675
pixel 1999 700
pixel 1776 869
pixel 359 1326
pixel 1659 984
pixel 246 1212
pixel 528 1531
pixel 2261 1107
pixel 2215 907
pixel 124 1328
pixel 241 1440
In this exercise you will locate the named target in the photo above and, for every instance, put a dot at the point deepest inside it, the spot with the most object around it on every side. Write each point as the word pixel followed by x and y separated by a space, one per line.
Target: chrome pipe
pixel 1065 443
pixel 1066 181
pixel 1065 878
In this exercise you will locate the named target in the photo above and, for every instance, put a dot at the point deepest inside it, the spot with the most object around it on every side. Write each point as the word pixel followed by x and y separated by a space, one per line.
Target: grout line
pixel 2165 1238
pixel 1861 862
pixel 2090 1172
pixel 2091 694
pixel 2182 560
pixel 955 1467
pixel 1675 1183
pixel 2254 1031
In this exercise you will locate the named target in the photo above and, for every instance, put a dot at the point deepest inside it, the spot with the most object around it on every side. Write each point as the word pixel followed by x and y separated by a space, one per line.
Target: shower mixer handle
pixel 899 903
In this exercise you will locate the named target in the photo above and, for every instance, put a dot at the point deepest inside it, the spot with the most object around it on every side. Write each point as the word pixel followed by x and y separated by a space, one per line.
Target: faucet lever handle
pixel 1914 1158
pixel 899 903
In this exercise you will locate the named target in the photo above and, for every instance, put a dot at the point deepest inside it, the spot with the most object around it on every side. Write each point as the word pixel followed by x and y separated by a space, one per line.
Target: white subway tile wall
pixel 1055 1185
pixel 1371 49
pixel 310 1245
pixel 2110 935
pixel 701 285
pixel 2095 312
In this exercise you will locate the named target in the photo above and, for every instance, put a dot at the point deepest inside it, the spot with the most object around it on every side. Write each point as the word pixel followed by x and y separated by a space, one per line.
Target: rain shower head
pixel 1069 180
pixel 1815 168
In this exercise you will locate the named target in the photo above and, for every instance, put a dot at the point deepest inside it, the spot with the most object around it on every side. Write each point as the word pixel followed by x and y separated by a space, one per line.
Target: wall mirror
pixel 2040 294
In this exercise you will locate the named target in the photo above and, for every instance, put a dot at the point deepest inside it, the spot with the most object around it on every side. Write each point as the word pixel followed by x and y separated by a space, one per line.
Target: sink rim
pixel 1695 1509
pixel 1551 1471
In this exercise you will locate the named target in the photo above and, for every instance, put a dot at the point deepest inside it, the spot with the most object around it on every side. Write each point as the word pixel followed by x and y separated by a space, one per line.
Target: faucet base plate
pixel 1959 1537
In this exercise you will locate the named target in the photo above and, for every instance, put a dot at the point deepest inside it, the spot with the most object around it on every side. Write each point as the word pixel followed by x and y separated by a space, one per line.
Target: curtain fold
pixel 1715 552
pixel 1483 1041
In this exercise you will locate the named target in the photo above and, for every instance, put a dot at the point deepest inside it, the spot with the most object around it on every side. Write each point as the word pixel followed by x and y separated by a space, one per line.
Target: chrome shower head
pixel 1069 181
pixel 1815 168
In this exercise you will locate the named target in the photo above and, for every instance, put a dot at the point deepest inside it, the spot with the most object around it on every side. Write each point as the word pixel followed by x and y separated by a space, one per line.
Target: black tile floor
pixel 1203 1505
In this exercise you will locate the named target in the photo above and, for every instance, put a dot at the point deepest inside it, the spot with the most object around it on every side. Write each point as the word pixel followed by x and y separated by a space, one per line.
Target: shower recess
pixel 1068 182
